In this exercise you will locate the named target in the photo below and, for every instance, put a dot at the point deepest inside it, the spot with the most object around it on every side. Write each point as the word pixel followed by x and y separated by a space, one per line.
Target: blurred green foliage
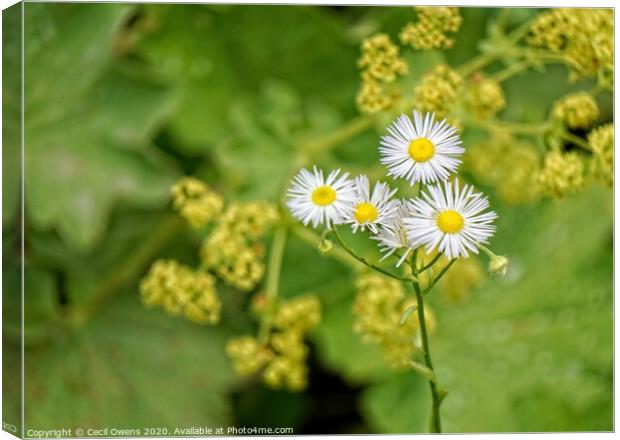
pixel 120 100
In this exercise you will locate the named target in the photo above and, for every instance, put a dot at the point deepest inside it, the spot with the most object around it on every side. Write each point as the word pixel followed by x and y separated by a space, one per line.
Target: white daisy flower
pixel 314 199
pixel 393 234
pixel 371 210
pixel 421 151
pixel 450 219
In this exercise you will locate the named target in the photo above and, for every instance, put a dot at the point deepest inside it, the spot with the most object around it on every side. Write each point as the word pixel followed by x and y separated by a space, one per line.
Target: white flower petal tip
pixel 314 199
pixel 421 150
pixel 450 219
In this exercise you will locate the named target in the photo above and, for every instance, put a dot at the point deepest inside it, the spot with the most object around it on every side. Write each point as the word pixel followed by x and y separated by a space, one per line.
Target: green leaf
pixel 87 125
pixel 129 368
pixel 400 405
pixel 11 112
pixel 227 63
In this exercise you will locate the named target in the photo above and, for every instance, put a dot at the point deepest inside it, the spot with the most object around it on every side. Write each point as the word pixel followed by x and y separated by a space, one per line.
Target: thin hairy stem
pixel 441 273
pixel 366 262
pixel 435 422
pixel 429 265
pixel 313 239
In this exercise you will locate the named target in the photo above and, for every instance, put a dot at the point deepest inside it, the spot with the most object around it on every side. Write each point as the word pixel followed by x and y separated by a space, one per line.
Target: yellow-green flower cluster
pixel 380 65
pixel 509 165
pixel 562 174
pixel 196 202
pixel 432 28
pixel 179 290
pixel 233 250
pixel 577 110
pixel 438 91
pixel 601 140
pixel 485 97
pixel 283 358
pixel 378 308
pixel 248 355
pixel 583 36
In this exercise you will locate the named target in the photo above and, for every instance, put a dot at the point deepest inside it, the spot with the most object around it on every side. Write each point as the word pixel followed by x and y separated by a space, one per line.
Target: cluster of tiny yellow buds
pixel 284 355
pixel 577 110
pixel 601 140
pixel 195 201
pixel 432 28
pixel 248 355
pixel 381 60
pixel 375 306
pixel 293 319
pixel 438 91
pixel 484 97
pixel 381 64
pixel 379 305
pixel 181 290
pixel 509 165
pixel 251 219
pixel 372 97
pixel 463 277
pixel 562 174
pixel 301 314
pixel 233 250
pixel 286 372
pixel 583 36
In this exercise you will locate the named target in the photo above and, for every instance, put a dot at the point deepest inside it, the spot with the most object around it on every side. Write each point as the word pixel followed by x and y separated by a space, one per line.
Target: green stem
pixel 435 422
pixel 337 137
pixel 273 280
pixel 366 262
pixel 575 140
pixel 441 273
pixel 314 239
pixel 512 127
pixel 429 265
pixel 510 71
pixel 474 64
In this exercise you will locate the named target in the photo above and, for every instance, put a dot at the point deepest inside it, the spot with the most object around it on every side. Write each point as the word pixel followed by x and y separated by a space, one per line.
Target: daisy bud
pixel 498 265
pixel 325 247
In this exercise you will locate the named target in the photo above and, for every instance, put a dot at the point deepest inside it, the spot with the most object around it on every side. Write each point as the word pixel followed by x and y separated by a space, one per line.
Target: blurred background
pixel 121 100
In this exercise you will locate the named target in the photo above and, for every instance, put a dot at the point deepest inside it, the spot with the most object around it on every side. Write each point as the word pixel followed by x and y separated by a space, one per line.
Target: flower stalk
pixel 435 420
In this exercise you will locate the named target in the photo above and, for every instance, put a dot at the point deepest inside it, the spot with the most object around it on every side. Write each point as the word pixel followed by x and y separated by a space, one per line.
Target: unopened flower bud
pixel 498 265
pixel 325 246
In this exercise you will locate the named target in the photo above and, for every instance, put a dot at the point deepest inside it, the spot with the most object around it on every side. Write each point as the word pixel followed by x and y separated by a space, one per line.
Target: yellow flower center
pixel 323 195
pixel 365 212
pixel 450 222
pixel 421 150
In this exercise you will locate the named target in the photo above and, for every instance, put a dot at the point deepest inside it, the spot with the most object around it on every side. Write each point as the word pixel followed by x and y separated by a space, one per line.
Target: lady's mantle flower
pixel 371 210
pixel 432 28
pixel 601 140
pixel 451 220
pixel 577 110
pixel 196 202
pixel 179 290
pixel 562 174
pixel 421 150
pixel 393 234
pixel 314 199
